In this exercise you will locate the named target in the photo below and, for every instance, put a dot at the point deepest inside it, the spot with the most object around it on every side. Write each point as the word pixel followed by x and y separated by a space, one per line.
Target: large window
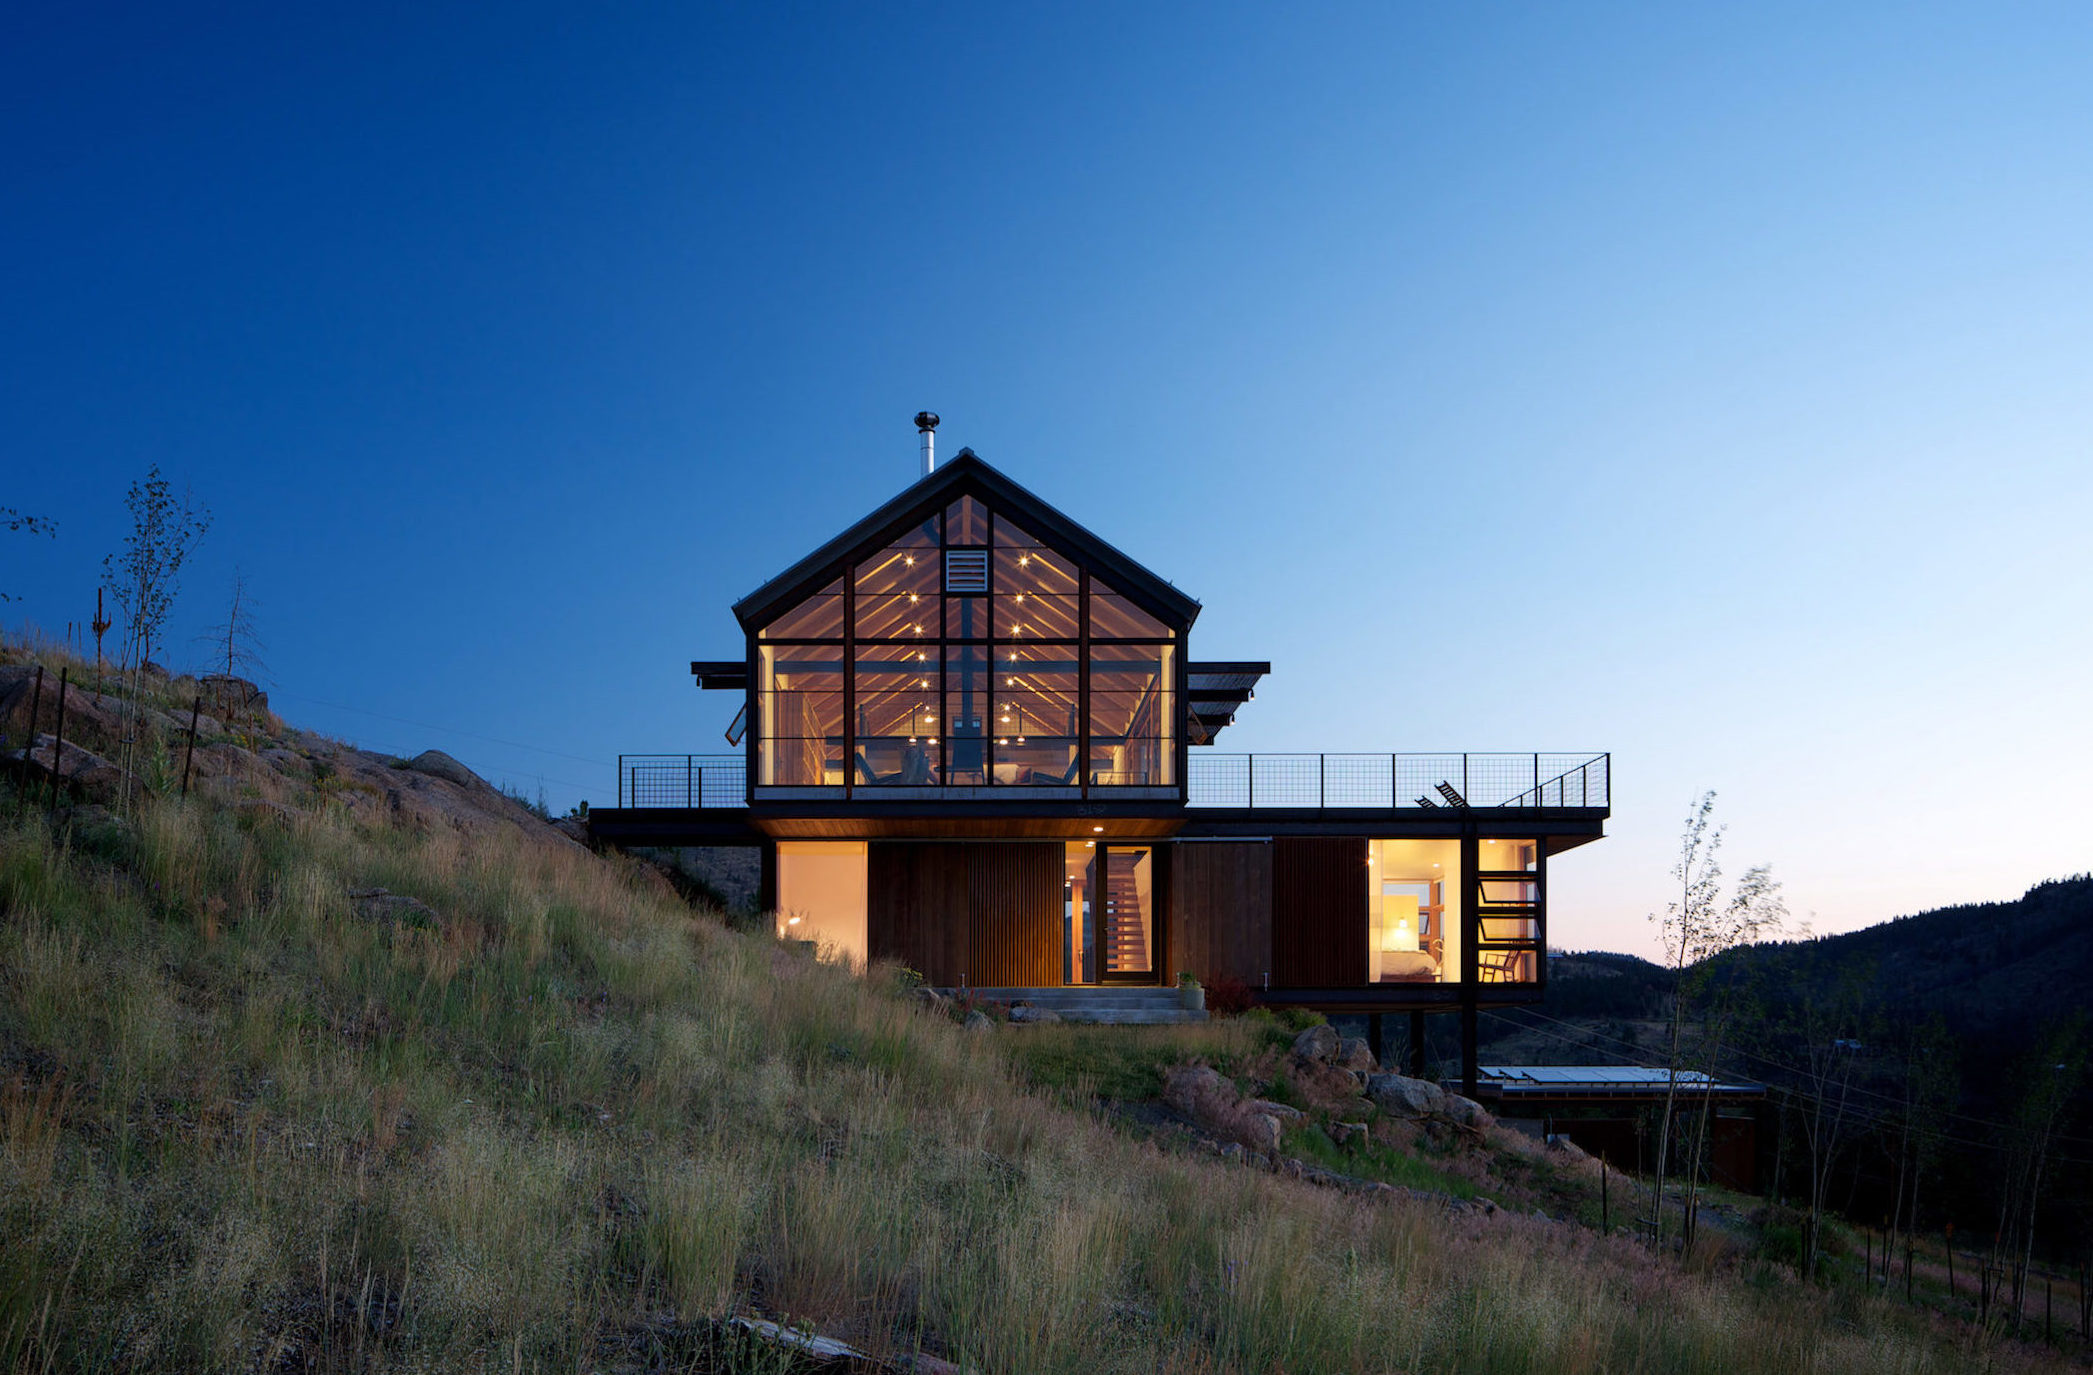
pixel 968 653
pixel 821 897
pixel 1132 711
pixel 801 699
pixel 1413 911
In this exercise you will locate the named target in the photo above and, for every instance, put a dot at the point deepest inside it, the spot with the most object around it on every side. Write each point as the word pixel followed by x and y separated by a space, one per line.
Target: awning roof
pixel 1215 690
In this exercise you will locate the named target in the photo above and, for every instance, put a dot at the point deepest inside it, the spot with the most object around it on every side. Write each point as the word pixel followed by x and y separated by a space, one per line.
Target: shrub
pixel 1227 996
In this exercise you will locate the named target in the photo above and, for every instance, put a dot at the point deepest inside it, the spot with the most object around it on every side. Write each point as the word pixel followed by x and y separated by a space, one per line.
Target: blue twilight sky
pixel 1710 384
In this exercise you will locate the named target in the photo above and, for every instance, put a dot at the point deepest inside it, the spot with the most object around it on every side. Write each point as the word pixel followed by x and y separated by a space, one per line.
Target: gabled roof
pixel 967 474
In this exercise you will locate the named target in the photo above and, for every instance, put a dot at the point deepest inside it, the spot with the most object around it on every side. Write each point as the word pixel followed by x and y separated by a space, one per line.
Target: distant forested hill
pixel 1996 972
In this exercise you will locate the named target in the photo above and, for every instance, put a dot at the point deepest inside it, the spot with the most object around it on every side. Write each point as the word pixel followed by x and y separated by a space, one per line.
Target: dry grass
pixel 242 1128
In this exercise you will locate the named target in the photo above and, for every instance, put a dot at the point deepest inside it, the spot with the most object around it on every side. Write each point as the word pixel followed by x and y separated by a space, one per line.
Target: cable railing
pixel 1372 782
pixel 1396 782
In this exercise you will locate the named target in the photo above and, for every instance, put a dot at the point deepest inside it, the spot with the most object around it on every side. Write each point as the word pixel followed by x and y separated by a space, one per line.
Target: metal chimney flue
pixel 926 425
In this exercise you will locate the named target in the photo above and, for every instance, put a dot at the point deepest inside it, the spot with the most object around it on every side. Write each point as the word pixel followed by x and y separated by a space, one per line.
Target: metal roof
pixel 1611 1080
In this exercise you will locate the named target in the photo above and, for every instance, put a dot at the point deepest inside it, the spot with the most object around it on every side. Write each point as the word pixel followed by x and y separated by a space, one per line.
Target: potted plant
pixel 1189 991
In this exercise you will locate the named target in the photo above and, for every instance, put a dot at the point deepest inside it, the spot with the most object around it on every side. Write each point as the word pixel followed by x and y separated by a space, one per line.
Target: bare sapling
pixel 236 649
pixel 1695 927
pixel 1829 1022
pixel 1724 998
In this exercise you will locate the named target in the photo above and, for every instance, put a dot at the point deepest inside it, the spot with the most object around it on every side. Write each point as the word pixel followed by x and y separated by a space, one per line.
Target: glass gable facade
pixel 970 654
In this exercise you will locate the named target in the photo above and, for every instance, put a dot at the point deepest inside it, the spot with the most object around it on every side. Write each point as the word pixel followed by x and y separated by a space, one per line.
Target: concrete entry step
pixel 1141 1006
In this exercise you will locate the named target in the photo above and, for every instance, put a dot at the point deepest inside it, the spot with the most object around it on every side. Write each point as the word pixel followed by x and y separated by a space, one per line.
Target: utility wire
pixel 450 730
pixel 1784 1067
pixel 1861 1114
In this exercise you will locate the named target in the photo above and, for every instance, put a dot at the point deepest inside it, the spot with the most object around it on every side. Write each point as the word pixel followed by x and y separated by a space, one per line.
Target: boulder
pixel 1399 1096
pixel 93 775
pixel 1354 1054
pixel 437 764
pixel 1316 1043
pixel 1466 1112
pixel 1211 1101
pixel 1323 1085
pixel 1025 1012
pixel 392 909
pixel 1278 1110
pixel 977 1020
pixel 1345 1133
pixel 91 719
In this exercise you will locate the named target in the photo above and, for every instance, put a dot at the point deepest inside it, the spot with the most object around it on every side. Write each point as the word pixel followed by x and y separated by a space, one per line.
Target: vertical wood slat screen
pixel 1319 927
pixel 1221 909
pixel 988 914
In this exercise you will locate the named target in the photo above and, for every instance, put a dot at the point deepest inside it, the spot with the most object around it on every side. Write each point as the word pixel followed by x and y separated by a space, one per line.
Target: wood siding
pixel 985 914
pixel 1221 909
pixel 1318 912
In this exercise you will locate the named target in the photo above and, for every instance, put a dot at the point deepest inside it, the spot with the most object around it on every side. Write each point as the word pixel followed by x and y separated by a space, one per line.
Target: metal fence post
pixel 1322 781
pixel 1250 772
pixel 689 767
pixel 621 782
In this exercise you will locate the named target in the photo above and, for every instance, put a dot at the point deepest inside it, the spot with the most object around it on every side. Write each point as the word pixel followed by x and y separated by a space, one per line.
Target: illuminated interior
pixel 965 656
pixel 1107 911
pixel 1414 911
pixel 1508 911
pixel 821 897
pixel 1079 962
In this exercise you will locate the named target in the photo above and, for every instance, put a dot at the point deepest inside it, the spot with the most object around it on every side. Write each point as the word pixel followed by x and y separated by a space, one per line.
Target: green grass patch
pixel 1371 1160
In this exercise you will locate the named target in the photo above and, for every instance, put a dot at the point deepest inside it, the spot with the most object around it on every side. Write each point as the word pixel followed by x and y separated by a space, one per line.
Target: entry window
pixel 1079 962
pixel 1413 911
pixel 821 897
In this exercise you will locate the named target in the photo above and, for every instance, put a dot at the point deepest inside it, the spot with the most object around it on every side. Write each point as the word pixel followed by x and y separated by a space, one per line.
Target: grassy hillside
pixel 547 1117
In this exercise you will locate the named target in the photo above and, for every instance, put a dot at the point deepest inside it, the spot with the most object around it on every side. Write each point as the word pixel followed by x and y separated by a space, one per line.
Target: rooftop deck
pixel 1217 782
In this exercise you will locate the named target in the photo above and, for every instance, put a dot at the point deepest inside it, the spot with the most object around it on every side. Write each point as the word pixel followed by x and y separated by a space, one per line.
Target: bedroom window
pixel 1413 911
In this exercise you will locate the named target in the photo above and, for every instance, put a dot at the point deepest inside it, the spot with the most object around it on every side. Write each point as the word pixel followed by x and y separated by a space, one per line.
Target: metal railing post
pixel 690 766
pixel 1538 800
pixel 1322 782
pixel 1250 772
pixel 621 781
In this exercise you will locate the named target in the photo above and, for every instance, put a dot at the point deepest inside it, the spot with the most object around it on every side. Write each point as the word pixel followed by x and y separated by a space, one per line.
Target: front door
pixel 1108 917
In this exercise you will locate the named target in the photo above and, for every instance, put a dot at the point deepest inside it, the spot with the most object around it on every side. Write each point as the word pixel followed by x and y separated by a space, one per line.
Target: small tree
pixel 1695 928
pixel 146 576
pixel 16 522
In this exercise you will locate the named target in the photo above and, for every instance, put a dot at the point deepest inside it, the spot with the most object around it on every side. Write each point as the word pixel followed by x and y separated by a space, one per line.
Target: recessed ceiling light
pixel 1098 829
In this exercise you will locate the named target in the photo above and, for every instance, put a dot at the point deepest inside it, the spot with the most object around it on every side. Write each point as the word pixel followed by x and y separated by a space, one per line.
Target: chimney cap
pixel 926 421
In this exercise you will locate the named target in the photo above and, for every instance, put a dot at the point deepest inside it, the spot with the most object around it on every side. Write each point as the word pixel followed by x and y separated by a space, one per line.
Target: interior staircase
pixel 1140 1006
pixel 1126 939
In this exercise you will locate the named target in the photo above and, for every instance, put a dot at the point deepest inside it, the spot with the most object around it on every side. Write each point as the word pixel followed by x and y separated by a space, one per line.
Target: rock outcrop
pixel 1217 1107
pixel 264 761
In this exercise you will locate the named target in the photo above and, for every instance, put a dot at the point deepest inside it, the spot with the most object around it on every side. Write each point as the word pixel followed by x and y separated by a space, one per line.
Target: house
pixel 976 739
